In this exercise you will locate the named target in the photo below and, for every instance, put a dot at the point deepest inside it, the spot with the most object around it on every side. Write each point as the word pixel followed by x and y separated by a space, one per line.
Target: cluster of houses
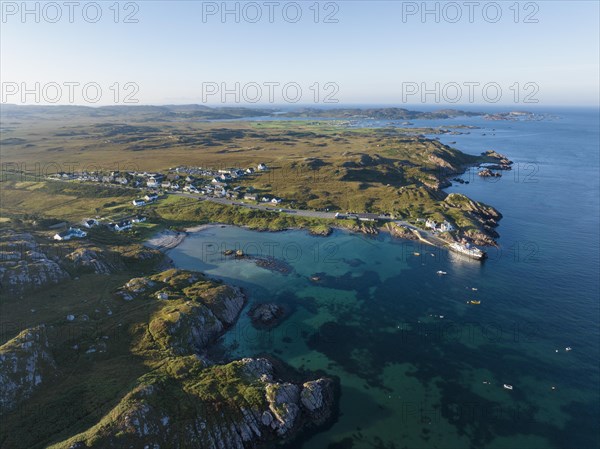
pixel 171 181
pixel 187 179
pixel 128 178
pixel 445 226
pixel 184 178
pixel 118 226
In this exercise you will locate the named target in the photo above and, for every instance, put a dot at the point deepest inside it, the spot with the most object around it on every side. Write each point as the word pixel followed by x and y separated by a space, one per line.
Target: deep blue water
pixel 411 354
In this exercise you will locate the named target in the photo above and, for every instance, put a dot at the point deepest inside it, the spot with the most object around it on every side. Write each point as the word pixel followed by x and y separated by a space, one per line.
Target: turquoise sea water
pixel 412 356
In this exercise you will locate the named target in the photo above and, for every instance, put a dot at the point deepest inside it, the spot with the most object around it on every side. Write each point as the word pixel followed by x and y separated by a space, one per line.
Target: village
pixel 192 180
pixel 198 180
pixel 215 185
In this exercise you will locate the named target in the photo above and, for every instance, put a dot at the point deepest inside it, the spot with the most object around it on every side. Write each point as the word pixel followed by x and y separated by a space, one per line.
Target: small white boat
pixel 441 273
pixel 508 387
pixel 474 289
pixel 568 348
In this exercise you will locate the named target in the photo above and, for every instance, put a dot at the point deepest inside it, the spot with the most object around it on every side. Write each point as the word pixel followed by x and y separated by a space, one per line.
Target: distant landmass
pixel 202 112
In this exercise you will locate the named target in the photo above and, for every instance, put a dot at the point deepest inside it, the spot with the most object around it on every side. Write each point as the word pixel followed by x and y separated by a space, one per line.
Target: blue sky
pixel 371 54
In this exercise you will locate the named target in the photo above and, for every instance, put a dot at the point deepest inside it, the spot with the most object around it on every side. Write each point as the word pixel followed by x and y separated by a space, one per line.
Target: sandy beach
pixel 167 239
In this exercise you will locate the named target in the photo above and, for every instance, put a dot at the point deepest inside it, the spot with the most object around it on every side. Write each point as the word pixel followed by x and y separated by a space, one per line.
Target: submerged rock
pixel 266 315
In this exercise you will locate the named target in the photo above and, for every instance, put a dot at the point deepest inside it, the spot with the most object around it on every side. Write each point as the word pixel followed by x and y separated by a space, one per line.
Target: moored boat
pixel 468 250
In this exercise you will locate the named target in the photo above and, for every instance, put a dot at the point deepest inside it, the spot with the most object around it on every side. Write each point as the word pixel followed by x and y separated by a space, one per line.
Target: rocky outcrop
pixel 498 158
pixel 92 260
pixel 487 173
pixel 266 315
pixel 480 238
pixel 233 406
pixel 25 266
pixel 400 232
pixel 438 161
pixel 25 364
pixel 185 328
pixel 317 396
pixel 485 218
pixel 196 310
pixel 183 400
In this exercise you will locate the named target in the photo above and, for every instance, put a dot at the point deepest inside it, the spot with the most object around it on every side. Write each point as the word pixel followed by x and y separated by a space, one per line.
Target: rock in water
pixel 266 315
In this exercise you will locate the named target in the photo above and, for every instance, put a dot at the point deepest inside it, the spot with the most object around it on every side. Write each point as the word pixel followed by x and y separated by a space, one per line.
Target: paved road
pixel 267 207
pixel 424 235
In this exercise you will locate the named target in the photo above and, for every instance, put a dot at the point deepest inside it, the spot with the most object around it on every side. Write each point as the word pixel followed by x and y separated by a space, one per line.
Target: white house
pixel 120 226
pixel 249 170
pixel 154 181
pixel 250 197
pixel 90 223
pixel 70 233
pixel 261 167
pixel 138 219
pixel 276 200
pixel 446 227
pixel 151 197
pixel 430 223
pixel 139 203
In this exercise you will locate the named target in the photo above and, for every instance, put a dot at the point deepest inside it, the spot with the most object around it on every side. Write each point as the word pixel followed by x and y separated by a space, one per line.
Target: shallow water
pixel 411 354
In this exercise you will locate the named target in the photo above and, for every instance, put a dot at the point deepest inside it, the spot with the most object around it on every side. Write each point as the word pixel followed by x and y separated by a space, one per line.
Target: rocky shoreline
pixel 239 404
pixel 486 216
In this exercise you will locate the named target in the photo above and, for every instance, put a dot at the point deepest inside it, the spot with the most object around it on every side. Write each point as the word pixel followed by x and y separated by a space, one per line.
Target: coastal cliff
pixel 182 398
pixel 235 406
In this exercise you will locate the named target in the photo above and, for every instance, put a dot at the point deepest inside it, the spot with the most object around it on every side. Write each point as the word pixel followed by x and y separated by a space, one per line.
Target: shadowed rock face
pixel 91 260
pixel 267 410
pixel 23 266
pixel 25 364
pixel 27 265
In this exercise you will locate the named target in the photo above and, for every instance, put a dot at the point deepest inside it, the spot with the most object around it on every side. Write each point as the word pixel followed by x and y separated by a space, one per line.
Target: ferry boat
pixel 468 250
